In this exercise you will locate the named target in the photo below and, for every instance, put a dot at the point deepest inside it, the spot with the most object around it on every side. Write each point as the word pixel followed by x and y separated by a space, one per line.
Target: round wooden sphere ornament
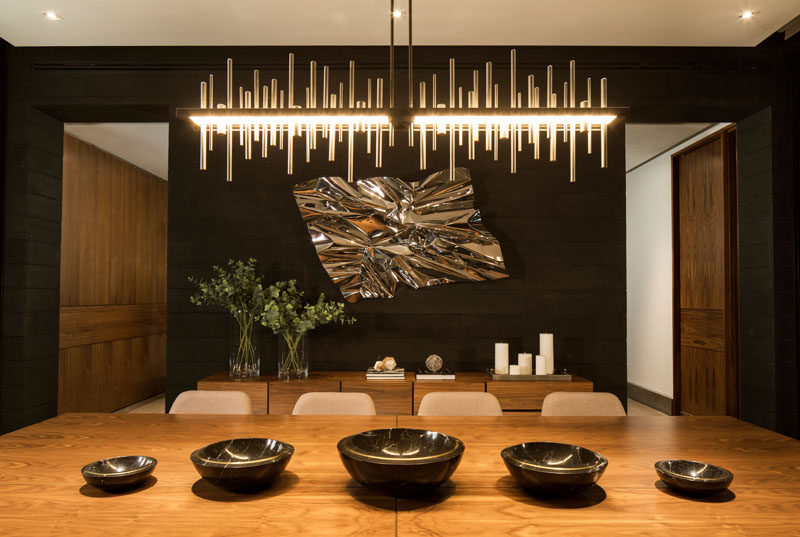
pixel 433 362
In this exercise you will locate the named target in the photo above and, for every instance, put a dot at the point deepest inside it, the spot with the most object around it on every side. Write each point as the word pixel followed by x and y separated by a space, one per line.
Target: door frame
pixel 731 311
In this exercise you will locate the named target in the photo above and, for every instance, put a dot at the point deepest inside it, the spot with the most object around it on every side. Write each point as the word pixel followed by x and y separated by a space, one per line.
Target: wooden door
pixel 705 275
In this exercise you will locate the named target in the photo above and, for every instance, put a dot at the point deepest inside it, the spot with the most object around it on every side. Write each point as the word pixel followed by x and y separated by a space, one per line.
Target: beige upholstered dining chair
pixel 211 402
pixel 582 404
pixel 330 403
pixel 459 404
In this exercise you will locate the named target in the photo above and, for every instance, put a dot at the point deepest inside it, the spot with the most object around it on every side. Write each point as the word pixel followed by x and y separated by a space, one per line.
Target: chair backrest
pixel 334 403
pixel 459 404
pixel 582 404
pixel 211 402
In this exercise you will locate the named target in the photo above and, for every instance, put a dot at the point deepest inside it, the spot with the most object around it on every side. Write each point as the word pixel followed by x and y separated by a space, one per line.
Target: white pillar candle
pixel 501 358
pixel 525 363
pixel 513 370
pixel 541 364
pixel 546 349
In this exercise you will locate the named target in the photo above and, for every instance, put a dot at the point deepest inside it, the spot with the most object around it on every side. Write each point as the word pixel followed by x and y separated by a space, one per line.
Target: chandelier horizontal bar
pixel 294 119
pixel 400 118
pixel 399 112
pixel 513 118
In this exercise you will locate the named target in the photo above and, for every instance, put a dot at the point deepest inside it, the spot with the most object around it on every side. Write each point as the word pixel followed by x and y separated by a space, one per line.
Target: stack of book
pixel 394 374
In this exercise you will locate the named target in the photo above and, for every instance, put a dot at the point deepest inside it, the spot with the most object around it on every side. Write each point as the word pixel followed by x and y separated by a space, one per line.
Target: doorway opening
pixel 112 315
pixel 652 337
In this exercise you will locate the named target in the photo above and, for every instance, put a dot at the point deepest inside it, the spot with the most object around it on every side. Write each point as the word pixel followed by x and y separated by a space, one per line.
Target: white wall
pixel 145 145
pixel 649 270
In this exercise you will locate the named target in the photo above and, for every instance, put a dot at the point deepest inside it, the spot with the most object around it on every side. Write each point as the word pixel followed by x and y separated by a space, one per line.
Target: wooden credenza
pixel 270 395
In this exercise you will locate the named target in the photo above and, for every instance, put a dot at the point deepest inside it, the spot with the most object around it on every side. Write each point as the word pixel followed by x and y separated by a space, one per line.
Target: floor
pixel 635 408
pixel 155 405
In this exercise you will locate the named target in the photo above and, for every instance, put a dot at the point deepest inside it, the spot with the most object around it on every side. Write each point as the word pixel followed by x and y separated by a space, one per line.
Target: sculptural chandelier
pixel 482 117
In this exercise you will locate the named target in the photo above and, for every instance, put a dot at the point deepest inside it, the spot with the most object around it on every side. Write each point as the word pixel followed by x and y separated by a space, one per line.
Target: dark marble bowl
pixel 401 462
pixel 551 469
pixel 692 477
pixel 118 473
pixel 242 464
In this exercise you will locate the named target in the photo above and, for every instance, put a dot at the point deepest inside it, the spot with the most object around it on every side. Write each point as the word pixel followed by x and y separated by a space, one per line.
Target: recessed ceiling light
pixel 397 13
pixel 51 15
pixel 747 15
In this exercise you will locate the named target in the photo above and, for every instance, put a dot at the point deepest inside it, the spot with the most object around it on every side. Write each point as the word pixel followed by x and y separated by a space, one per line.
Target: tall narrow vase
pixel 245 359
pixel 292 357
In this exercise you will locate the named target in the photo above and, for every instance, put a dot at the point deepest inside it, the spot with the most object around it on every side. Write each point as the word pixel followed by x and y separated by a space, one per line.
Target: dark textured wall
pixel 756 268
pixel 31 252
pixel 564 243
pixel 768 156
pixel 786 227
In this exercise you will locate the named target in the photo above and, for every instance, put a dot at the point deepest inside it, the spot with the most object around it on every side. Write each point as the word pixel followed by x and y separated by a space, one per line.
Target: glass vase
pixel 292 357
pixel 245 358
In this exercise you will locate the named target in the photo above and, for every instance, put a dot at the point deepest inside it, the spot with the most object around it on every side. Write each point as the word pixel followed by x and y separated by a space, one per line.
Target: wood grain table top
pixel 43 494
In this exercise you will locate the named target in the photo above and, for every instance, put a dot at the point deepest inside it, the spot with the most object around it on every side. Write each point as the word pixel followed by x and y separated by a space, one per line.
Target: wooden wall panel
pixel 704 329
pixel 112 325
pixel 702 227
pixel 85 325
pixel 113 230
pixel 702 381
pixel 112 374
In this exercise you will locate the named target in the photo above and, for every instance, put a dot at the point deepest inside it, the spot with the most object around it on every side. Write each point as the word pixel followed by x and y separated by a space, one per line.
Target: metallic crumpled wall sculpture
pixel 376 233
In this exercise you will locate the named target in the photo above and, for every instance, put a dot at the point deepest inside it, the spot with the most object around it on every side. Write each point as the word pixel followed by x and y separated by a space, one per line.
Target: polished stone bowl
pixel 692 477
pixel 551 469
pixel 242 464
pixel 401 462
pixel 118 473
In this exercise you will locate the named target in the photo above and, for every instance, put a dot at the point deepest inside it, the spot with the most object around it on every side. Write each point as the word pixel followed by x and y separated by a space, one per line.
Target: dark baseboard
pixel 655 400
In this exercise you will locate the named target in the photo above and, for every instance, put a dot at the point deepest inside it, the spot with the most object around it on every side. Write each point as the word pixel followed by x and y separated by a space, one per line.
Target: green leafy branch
pixel 287 314
pixel 236 288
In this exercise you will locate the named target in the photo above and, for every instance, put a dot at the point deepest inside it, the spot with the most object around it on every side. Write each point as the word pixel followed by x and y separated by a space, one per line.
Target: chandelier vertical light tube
pixel 290 88
pixel 204 128
pixel 452 131
pixel 379 130
pixel 604 126
pixel 325 82
pixel 210 104
pixel 589 105
pixel 513 82
pixel 312 83
pixel 571 84
pixel 423 130
pixel 488 89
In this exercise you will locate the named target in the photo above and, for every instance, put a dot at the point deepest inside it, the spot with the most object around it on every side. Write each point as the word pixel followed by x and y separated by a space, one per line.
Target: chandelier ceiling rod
pixel 391 53
pixel 410 59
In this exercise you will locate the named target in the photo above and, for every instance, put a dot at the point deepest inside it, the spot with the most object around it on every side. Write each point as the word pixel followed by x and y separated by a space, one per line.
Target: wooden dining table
pixel 42 492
